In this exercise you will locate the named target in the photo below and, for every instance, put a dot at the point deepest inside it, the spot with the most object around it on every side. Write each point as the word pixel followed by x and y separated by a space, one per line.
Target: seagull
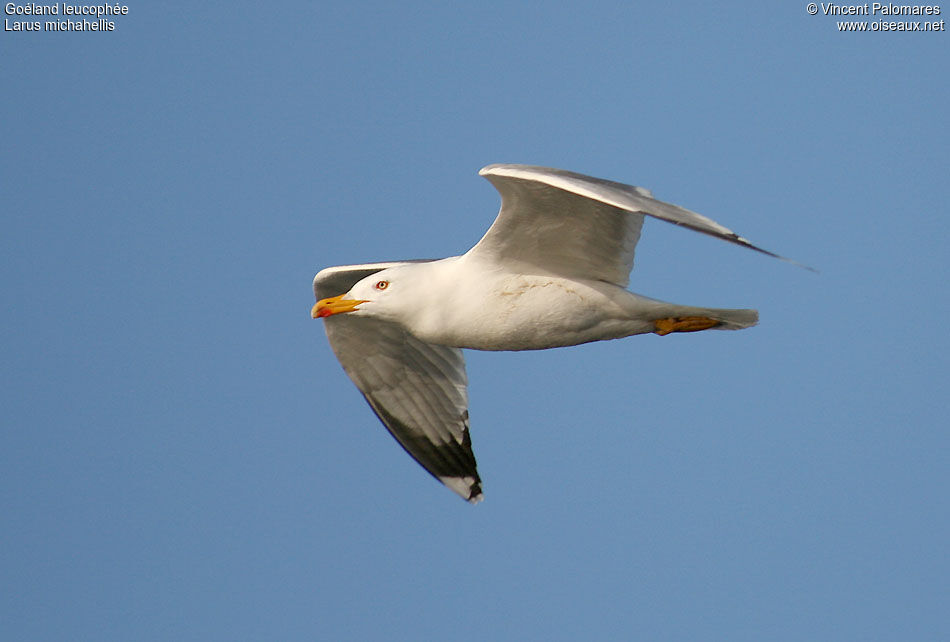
pixel 551 271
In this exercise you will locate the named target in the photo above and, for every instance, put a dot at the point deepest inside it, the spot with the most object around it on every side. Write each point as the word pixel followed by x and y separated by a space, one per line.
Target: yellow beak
pixel 334 305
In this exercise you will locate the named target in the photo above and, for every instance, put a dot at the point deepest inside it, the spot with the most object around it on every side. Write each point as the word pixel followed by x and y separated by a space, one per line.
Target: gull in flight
pixel 551 271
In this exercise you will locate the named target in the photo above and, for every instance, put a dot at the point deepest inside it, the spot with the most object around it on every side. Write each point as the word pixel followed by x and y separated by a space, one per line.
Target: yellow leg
pixel 684 324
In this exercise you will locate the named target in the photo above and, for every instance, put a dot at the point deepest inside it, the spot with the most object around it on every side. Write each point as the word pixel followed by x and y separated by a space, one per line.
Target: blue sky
pixel 184 459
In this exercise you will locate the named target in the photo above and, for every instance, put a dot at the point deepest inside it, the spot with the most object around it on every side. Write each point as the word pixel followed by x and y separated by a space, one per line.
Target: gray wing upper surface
pixel 418 390
pixel 578 226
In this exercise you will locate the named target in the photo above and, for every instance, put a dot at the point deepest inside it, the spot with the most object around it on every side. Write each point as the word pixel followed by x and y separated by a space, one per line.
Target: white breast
pixel 492 310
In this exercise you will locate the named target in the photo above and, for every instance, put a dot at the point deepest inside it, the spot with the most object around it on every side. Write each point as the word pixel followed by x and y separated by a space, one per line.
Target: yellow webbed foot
pixel 684 324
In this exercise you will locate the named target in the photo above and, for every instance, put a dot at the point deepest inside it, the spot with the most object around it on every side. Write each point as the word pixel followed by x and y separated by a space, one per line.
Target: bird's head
pixel 372 297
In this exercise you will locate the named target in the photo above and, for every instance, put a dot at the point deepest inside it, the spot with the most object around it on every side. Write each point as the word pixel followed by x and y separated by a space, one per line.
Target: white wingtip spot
pixel 464 486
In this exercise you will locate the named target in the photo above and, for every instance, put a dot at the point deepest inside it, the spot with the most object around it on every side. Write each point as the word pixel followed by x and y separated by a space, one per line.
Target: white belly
pixel 528 312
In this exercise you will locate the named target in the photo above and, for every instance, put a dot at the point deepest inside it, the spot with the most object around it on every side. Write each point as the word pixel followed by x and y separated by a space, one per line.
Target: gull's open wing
pixel 560 222
pixel 418 390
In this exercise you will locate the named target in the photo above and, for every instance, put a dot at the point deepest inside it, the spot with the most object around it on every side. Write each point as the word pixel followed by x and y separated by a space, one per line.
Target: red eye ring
pixel 381 285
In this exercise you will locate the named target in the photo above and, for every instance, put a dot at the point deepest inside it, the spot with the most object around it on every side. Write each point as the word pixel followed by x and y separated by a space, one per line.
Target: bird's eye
pixel 381 285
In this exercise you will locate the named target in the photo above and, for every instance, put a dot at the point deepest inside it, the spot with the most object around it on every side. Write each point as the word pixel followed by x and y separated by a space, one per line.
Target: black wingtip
pixel 475 494
pixel 795 263
pixel 747 243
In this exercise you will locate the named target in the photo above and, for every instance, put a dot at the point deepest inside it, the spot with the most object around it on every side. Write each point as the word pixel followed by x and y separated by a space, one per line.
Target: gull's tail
pixel 732 319
pixel 685 318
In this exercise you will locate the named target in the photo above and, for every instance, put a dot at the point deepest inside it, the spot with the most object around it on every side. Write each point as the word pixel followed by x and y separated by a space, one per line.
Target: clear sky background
pixel 182 458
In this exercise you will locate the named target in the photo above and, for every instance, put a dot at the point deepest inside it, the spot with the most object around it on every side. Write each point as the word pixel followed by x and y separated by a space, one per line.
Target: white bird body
pixel 481 307
pixel 551 271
